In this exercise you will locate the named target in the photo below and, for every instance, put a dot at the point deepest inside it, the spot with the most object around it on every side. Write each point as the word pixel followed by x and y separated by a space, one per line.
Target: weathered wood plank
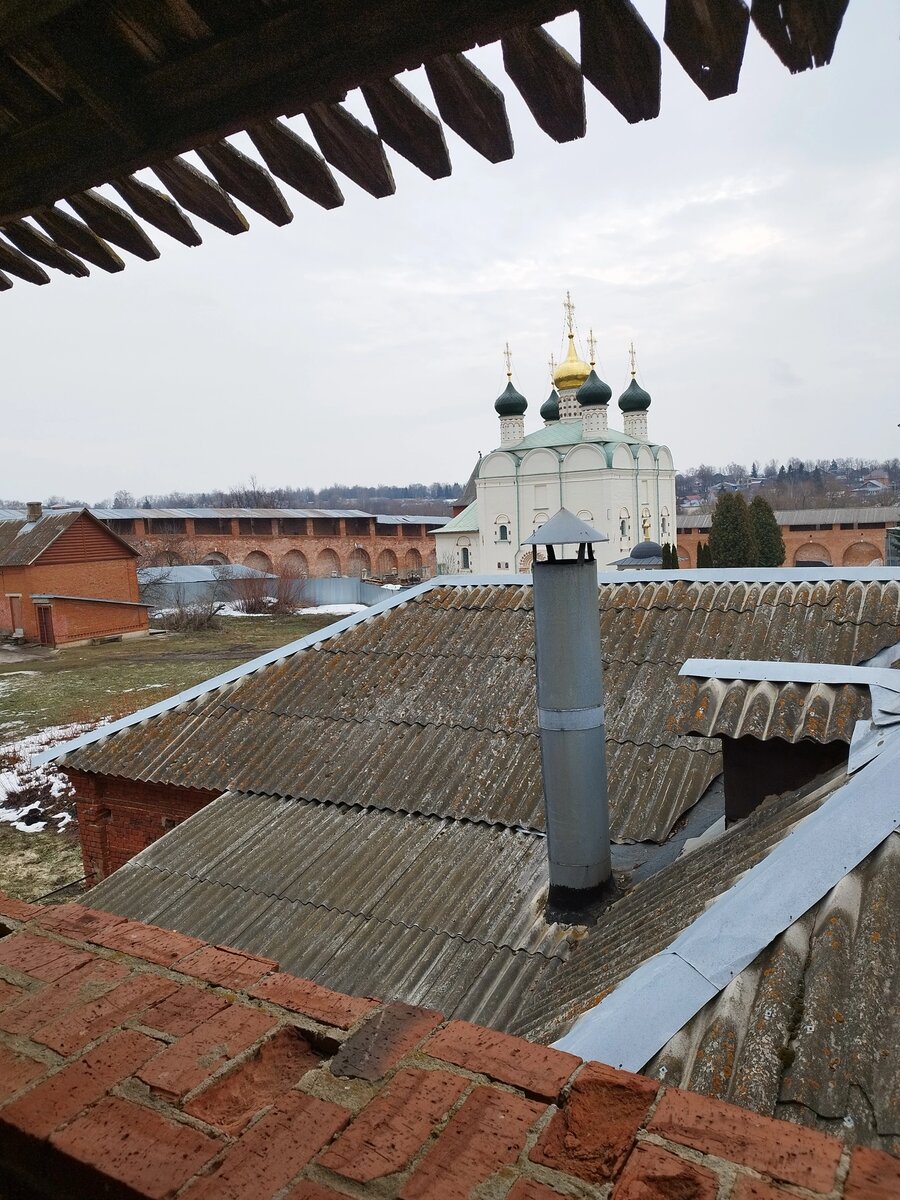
pixel 352 147
pixel 801 32
pixel 294 160
pixel 157 208
pixel 5 282
pixel 549 80
pixel 471 105
pixel 406 124
pixel 37 245
pixel 621 57
pixel 247 180
pixel 20 265
pixel 201 195
pixel 74 236
pixel 708 39
pixel 113 224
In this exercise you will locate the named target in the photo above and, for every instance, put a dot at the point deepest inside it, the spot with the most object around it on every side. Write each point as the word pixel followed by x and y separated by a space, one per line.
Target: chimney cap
pixel 565 529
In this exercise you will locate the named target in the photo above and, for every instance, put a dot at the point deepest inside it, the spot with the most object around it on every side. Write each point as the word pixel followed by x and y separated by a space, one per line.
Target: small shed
pixel 65 578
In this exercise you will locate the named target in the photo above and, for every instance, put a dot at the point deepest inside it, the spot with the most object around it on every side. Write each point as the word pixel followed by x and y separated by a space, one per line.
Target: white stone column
pixel 636 425
pixel 595 420
pixel 512 430
pixel 569 408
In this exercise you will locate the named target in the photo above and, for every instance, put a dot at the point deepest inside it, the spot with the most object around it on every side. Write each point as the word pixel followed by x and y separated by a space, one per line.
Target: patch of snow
pixel 19 781
pixel 333 610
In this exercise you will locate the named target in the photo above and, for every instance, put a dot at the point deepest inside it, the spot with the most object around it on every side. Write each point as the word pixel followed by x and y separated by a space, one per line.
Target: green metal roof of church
pixel 570 433
pixel 464 522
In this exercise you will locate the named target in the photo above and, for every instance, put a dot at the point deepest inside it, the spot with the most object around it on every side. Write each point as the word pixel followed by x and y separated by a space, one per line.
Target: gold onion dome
pixel 571 372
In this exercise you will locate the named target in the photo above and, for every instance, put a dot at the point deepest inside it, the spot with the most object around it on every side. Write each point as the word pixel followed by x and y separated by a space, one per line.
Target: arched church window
pixel 464 557
pixel 584 515
pixel 624 523
pixel 664 523
pixel 503 533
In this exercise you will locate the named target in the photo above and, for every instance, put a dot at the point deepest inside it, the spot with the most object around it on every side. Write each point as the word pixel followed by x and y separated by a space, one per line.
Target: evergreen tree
pixel 673 557
pixel 769 542
pixel 702 559
pixel 666 557
pixel 732 537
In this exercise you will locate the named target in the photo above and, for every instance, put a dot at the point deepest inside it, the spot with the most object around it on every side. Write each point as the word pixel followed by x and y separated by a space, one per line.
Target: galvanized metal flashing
pixel 790 672
pixel 640 1016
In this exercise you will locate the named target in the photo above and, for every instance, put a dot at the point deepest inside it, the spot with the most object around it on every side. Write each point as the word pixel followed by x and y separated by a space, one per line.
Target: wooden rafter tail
pixel 158 209
pixel 21 265
pixel 405 123
pixel 621 57
pixel 352 147
pixel 708 40
pixel 801 32
pixel 113 224
pixel 37 245
pixel 201 195
pixel 247 180
pixel 294 160
pixel 549 80
pixel 75 237
pixel 5 282
pixel 472 105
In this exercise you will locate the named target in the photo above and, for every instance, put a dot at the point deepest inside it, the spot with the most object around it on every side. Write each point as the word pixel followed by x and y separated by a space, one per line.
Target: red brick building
pixel 65 578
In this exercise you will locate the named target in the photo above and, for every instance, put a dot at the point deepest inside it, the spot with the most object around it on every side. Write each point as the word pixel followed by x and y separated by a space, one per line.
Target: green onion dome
pixel 510 403
pixel 550 407
pixel 634 398
pixel 593 391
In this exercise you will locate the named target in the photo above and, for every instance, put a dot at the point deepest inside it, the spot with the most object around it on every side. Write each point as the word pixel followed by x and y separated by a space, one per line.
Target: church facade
pixel 620 482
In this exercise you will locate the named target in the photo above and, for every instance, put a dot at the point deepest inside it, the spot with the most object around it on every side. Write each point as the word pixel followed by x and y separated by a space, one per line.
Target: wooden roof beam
pixel 406 124
pixel 353 148
pixel 20 265
pixel 471 105
pixel 157 208
pixel 549 80
pixel 5 282
pixel 247 180
pixel 113 224
pixel 801 32
pixel 75 237
pixel 292 159
pixel 708 39
pixel 621 57
pixel 37 245
pixel 201 195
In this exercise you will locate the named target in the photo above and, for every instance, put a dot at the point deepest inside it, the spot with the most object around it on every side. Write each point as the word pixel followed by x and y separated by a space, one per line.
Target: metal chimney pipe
pixel 570 709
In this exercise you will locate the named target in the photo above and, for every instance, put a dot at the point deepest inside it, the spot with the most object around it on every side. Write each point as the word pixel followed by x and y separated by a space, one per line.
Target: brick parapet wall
pixel 843 547
pixel 135 1061
pixel 118 818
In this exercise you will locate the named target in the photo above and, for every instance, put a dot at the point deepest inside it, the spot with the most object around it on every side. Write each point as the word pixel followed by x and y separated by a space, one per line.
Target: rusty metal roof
pixel 428 706
pixel 794 712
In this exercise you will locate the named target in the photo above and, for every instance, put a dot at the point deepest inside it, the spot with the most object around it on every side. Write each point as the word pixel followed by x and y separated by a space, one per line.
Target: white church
pixel 622 483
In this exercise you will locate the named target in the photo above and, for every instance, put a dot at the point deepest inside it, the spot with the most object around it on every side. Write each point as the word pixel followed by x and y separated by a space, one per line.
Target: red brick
pixel 232 1099
pixel 487 1133
pixel 185 1065
pixel 74 1030
pixel 78 987
pixel 748 1187
pixel 184 1010
pixel 594 1130
pixel 538 1070
pixel 530 1189
pixel 55 1101
pixel 40 957
pixel 16 1070
pixel 387 1133
pixel 777 1148
pixel 10 994
pixel 76 920
pixel 155 945
pixel 874 1175
pixel 304 996
pixel 227 968
pixel 136 1147
pixel 270 1154
pixel 18 910
pixel 383 1040
pixel 307 1190
pixel 652 1173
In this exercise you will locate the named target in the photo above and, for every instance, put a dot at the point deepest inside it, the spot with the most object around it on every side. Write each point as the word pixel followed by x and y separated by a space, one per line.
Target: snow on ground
pixel 333 610
pixel 33 797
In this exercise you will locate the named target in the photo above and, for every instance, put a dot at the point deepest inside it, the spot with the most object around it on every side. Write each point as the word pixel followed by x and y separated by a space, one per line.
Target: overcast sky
pixel 750 247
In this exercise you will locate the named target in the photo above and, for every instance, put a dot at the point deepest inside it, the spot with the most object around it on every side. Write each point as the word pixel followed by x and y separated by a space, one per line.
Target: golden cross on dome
pixel 552 364
pixel 570 314
pixel 507 354
pixel 592 346
pixel 631 356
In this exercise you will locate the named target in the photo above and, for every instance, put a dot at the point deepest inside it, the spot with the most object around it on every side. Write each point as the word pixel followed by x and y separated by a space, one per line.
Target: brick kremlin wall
pixel 137 1062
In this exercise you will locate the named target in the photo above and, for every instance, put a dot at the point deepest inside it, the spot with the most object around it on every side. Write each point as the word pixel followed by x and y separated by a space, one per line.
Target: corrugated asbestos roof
pixel 762 709
pixel 810 1031
pixel 429 706
pixel 805 516
pixel 155 514
pixel 22 541
pixel 436 911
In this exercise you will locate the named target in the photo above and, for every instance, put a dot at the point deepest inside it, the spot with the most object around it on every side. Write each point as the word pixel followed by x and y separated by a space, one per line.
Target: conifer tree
pixel 702 555
pixel 769 542
pixel 732 537
pixel 666 560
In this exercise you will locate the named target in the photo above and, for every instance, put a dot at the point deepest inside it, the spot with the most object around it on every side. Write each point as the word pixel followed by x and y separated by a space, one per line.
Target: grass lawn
pixel 89 683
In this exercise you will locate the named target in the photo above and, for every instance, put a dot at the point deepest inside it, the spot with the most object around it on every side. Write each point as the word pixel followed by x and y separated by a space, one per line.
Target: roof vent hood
pixel 33 511
pixel 570 708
